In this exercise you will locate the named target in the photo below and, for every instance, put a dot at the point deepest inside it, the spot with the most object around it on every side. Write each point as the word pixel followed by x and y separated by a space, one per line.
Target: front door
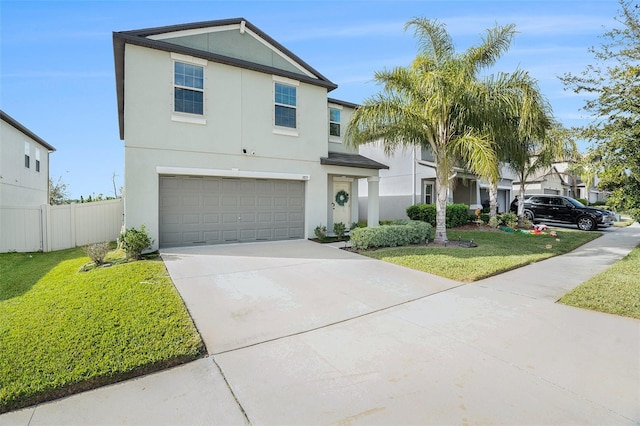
pixel 342 203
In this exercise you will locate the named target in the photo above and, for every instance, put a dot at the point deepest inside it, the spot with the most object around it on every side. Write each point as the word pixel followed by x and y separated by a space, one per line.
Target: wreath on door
pixel 342 197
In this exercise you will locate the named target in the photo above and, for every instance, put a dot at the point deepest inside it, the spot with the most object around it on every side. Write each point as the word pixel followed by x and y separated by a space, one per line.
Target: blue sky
pixel 57 72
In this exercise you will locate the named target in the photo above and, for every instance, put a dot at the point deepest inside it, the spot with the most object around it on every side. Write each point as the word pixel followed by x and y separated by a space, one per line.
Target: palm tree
pixel 527 117
pixel 439 102
pixel 533 154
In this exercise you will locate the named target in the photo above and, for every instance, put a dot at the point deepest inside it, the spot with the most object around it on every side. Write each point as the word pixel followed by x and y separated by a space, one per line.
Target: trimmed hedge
pixel 400 233
pixel 457 214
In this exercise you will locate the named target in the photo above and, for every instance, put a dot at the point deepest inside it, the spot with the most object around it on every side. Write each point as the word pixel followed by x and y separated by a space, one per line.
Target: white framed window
pixel 37 159
pixel 188 88
pixel 334 122
pixel 285 105
pixel 428 192
pixel 27 155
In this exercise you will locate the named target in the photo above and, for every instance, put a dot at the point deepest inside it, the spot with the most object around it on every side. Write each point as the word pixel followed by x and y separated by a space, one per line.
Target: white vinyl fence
pixel 50 228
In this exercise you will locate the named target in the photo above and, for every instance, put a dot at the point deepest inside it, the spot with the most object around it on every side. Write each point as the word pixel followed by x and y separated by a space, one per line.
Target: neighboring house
pixel 24 165
pixel 558 180
pixel 24 186
pixel 546 181
pixel 411 180
pixel 230 137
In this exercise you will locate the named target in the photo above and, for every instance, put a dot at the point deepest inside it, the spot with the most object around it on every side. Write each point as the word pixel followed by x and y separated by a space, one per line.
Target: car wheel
pixel 586 223
pixel 529 215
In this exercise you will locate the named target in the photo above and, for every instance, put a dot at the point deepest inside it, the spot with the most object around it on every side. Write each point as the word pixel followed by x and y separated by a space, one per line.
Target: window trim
pixel 38 160
pixel 27 155
pixel 334 138
pixel 430 184
pixel 187 117
pixel 285 130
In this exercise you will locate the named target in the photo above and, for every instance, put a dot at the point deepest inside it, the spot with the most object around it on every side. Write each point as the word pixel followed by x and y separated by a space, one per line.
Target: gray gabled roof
pixel 351 160
pixel 14 123
pixel 140 38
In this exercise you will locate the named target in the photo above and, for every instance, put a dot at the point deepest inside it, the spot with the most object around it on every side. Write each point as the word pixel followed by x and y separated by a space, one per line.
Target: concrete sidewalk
pixel 496 351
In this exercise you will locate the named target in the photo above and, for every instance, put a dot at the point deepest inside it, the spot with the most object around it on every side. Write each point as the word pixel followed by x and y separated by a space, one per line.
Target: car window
pixel 536 200
pixel 556 202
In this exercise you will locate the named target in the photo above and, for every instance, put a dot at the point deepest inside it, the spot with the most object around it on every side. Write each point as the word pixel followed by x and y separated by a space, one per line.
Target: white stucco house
pixel 230 137
pixel 411 177
pixel 24 165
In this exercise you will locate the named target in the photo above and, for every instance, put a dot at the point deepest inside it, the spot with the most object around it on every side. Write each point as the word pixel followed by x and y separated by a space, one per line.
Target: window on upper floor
pixel 334 122
pixel 37 159
pixel 188 90
pixel 285 100
pixel 27 155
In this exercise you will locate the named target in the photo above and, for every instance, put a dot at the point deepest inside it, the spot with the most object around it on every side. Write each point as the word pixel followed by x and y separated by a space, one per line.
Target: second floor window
pixel 27 155
pixel 285 105
pixel 334 122
pixel 37 160
pixel 188 93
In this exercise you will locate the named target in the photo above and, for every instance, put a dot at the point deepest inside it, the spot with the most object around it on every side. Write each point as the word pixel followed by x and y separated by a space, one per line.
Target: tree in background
pixel 614 133
pixel 440 103
pixel 58 192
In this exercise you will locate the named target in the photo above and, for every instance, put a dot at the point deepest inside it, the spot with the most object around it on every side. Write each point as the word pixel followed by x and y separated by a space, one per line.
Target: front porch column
pixel 373 201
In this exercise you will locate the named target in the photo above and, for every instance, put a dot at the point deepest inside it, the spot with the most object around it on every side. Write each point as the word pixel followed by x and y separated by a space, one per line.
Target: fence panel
pixel 20 229
pixel 50 228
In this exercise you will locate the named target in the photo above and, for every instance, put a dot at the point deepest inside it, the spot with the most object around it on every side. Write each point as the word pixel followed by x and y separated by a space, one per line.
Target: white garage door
pixel 215 210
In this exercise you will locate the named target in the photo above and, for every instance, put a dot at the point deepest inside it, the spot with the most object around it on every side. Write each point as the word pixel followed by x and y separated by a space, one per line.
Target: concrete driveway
pixel 243 294
pixel 309 334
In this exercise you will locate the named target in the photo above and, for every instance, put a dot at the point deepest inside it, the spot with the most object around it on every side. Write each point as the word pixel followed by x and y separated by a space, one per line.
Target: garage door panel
pixel 213 210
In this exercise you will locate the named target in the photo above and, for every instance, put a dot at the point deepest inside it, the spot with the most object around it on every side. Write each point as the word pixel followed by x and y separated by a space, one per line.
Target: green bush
pixel 457 214
pixel 598 203
pixel 134 242
pixel 583 201
pixel 400 233
pixel 509 219
pixel 339 229
pixel 485 217
pixel 320 232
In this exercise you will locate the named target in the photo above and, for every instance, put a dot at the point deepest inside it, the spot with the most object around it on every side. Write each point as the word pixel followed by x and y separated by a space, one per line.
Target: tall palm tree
pixel 527 117
pixel 438 102
pixel 533 154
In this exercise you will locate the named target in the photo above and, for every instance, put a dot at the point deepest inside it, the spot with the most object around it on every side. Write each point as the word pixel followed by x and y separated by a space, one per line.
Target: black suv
pixel 558 208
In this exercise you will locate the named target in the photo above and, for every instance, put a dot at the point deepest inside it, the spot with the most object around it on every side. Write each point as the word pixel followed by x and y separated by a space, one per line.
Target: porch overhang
pixel 351 160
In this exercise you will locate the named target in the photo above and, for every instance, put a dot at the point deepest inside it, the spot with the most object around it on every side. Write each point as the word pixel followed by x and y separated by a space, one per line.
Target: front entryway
pixel 342 202
pixel 215 210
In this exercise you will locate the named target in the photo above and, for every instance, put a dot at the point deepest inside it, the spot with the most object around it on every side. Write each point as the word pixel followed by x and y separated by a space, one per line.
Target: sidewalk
pixel 496 351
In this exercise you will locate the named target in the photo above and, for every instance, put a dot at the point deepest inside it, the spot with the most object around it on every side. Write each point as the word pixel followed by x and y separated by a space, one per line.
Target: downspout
pixel 413 169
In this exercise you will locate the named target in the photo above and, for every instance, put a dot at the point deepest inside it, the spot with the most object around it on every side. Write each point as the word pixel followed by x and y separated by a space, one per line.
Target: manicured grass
pixel 64 331
pixel 497 252
pixel 615 291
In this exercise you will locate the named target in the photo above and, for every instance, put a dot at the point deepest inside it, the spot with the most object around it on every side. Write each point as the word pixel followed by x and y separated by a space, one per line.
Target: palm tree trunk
pixel 521 205
pixel 442 193
pixel 493 199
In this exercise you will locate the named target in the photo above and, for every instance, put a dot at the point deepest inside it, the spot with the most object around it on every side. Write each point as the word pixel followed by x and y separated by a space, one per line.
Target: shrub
pixel 339 229
pixel 400 233
pixel 485 217
pixel 494 222
pixel 509 219
pixel 457 214
pixel 321 232
pixel 583 201
pixel 97 252
pixel 598 203
pixel 134 242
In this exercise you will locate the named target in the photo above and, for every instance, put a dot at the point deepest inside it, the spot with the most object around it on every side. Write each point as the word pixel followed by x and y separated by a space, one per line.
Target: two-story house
pixel 230 137
pixel 411 179
pixel 24 182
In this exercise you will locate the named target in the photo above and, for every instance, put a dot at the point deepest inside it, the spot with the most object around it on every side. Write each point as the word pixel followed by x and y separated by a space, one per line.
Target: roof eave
pixel 20 127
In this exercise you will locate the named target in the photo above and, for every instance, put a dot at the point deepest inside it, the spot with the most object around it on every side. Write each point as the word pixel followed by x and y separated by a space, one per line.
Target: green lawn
pixel 63 331
pixel 615 291
pixel 497 252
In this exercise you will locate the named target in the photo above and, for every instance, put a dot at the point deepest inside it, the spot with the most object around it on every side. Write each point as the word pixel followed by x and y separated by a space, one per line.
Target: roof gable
pixel 21 128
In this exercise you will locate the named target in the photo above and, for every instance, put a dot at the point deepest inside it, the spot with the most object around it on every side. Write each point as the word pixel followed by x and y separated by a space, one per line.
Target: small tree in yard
pixel 97 252
pixel 134 242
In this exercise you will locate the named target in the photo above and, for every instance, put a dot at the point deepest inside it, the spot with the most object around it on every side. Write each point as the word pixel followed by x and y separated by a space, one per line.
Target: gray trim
pixel 351 160
pixel 14 123
pixel 343 103
pixel 139 37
